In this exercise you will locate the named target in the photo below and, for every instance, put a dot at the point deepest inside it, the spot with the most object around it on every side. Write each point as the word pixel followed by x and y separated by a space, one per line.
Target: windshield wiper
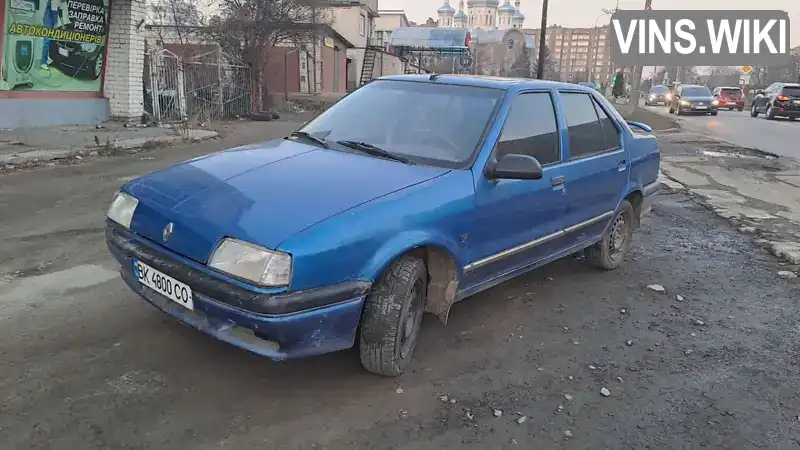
pixel 303 135
pixel 374 151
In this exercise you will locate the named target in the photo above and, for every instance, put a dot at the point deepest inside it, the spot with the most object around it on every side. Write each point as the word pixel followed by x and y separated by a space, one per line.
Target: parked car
pixel 729 98
pixel 691 98
pixel 347 231
pixel 658 95
pixel 778 100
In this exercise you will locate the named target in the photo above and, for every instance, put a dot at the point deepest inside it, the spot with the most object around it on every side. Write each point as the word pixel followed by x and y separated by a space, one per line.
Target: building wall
pixel 334 59
pixel 579 51
pixel 125 60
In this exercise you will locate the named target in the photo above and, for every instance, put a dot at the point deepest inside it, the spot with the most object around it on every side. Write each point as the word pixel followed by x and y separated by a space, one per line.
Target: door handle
pixel 622 165
pixel 557 181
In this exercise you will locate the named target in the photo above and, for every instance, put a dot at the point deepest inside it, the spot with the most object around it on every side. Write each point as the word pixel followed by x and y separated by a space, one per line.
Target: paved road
pixel 774 136
pixel 84 364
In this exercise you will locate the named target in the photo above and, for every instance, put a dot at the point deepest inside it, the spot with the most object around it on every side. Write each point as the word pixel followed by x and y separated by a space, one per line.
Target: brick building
pixel 70 62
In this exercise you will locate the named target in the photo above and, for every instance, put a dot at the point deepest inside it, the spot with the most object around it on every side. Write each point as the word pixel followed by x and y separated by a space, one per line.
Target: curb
pixel 37 156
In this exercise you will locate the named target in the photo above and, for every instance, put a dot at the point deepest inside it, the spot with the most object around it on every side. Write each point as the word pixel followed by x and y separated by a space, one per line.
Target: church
pixel 482 14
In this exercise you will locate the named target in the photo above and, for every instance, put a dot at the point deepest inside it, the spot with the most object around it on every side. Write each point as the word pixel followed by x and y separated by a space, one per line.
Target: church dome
pixel 446 9
pixel 506 8
pixel 486 3
pixel 519 16
pixel 461 17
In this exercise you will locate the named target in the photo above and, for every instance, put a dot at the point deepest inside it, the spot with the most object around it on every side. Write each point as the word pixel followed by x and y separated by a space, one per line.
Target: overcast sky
pixel 583 13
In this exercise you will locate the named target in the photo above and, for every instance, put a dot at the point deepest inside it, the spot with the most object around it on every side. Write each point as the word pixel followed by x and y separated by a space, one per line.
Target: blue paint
pixel 641 126
pixel 345 216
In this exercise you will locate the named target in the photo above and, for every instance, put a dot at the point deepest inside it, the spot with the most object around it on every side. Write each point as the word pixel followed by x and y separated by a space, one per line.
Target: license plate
pixel 701 107
pixel 163 284
pixel 796 102
pixel 62 51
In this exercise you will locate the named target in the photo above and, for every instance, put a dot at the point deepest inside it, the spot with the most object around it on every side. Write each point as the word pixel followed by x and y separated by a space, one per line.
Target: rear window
pixel 731 91
pixel 794 91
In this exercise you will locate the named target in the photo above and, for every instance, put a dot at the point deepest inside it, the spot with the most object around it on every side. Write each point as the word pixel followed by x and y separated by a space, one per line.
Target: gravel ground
pixel 84 364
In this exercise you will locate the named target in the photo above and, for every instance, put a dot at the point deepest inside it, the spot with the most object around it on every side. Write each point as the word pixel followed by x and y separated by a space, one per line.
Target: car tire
pixel 610 252
pixel 753 110
pixel 770 113
pixel 741 109
pixel 714 113
pixel 392 317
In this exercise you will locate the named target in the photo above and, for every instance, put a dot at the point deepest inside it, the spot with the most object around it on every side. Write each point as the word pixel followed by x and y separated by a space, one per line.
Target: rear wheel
pixel 770 113
pixel 610 252
pixel 392 317
pixel 741 109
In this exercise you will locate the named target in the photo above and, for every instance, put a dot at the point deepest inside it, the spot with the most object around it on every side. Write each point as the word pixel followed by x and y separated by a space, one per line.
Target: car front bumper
pixel 287 325
pixel 698 109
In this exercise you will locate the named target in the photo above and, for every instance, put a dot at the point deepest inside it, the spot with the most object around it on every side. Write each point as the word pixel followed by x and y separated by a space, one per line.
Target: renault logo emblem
pixel 167 232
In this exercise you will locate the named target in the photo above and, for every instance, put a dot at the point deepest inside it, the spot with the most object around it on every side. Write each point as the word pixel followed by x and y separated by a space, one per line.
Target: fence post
pixel 181 91
pixel 220 95
pixel 155 89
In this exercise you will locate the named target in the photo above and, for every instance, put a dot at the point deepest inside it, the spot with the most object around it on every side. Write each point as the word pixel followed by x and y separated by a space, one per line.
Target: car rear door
pixel 598 167
pixel 518 222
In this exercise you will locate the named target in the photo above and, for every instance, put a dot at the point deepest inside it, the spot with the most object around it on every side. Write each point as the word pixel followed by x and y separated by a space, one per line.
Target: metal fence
pixel 199 88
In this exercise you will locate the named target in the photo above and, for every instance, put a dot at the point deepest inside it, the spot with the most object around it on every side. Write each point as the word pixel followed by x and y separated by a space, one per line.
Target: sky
pixel 584 13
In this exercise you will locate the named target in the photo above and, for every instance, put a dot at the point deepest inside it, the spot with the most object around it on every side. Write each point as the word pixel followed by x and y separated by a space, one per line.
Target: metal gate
pixel 201 88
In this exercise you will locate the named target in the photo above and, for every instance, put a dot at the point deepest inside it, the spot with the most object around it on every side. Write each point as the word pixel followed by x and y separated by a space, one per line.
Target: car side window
pixel 583 125
pixel 610 130
pixel 530 129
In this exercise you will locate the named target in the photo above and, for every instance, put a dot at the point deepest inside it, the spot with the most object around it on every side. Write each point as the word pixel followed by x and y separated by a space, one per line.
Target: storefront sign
pixel 328 42
pixel 54 45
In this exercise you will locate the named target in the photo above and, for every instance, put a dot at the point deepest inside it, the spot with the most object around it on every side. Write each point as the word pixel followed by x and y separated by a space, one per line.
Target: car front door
pixel 597 171
pixel 763 100
pixel 518 222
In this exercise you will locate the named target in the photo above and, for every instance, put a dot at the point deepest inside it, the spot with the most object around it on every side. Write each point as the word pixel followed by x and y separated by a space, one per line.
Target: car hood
pixel 698 99
pixel 262 193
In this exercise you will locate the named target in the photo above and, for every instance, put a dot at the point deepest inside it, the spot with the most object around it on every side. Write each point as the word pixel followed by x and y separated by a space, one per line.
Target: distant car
pixel 345 232
pixel 729 98
pixel 778 100
pixel 694 99
pixel 658 95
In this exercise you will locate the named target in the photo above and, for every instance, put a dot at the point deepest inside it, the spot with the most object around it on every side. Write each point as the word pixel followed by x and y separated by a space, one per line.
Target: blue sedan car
pixel 409 194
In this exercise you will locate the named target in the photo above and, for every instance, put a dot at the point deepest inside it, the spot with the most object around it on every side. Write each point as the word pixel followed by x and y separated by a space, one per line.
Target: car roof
pixel 487 81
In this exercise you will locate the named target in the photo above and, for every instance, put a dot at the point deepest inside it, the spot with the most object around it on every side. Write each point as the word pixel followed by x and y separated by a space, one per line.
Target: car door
pixel 763 100
pixel 518 222
pixel 597 171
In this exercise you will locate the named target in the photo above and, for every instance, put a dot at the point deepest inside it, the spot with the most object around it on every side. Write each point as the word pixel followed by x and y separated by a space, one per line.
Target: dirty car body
pixel 409 194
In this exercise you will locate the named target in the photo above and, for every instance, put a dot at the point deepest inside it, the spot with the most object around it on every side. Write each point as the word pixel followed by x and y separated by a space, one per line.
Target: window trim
pixel 559 145
pixel 613 124
pixel 595 103
pixel 362 25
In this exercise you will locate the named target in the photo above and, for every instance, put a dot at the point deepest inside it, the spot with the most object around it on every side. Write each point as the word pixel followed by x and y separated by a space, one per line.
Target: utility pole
pixel 637 74
pixel 542 45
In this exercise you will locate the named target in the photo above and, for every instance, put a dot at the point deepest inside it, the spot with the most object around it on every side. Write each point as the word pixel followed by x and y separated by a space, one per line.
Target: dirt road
pixel 85 364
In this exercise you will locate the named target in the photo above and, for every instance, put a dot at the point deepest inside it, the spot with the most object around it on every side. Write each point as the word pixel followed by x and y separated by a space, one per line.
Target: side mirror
pixel 639 125
pixel 515 167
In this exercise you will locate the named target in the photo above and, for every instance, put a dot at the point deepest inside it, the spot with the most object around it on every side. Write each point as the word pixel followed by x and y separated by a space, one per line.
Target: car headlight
pixel 251 262
pixel 715 102
pixel 669 96
pixel 122 208
pixel 89 48
pixel 685 103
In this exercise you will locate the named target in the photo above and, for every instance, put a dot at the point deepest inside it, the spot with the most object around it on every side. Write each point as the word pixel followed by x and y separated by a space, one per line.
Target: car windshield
pixel 422 122
pixel 793 91
pixel 696 91
pixel 731 91
pixel 659 90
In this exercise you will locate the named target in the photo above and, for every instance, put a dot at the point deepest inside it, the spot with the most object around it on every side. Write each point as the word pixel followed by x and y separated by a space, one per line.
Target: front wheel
pixel 610 252
pixel 753 110
pixel 392 317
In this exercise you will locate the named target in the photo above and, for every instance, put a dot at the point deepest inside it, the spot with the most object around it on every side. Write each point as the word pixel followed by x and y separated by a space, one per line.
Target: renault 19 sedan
pixel 410 194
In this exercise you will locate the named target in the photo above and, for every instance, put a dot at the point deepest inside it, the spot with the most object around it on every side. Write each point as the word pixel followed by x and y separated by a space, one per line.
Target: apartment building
pixel 355 21
pixel 578 54
pixel 388 21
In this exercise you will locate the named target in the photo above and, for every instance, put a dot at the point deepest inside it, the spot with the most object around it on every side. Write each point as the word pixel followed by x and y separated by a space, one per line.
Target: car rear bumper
pixel 733 105
pixel 785 112
pixel 312 322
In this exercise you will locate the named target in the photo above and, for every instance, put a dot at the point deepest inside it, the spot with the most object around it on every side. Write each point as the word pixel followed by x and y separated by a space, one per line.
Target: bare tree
pixel 176 21
pixel 248 29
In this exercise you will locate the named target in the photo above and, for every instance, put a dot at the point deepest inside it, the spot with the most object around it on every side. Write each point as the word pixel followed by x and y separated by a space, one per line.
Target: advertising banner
pixel 54 45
